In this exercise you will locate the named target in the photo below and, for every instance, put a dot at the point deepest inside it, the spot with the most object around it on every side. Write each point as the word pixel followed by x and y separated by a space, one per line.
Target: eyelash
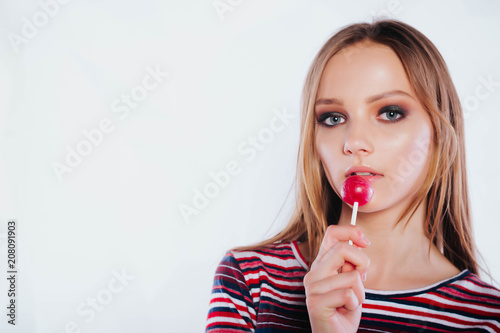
pixel 389 108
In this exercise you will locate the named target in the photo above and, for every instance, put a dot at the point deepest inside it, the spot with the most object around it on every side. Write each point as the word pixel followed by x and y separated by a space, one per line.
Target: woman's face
pixel 370 121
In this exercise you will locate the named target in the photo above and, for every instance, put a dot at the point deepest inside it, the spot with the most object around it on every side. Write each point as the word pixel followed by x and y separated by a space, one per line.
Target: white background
pixel 119 209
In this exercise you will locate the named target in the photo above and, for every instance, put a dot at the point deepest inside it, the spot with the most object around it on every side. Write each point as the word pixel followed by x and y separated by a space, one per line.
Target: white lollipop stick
pixel 353 217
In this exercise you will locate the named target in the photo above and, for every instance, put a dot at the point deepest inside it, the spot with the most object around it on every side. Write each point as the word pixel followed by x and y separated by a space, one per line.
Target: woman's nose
pixel 357 140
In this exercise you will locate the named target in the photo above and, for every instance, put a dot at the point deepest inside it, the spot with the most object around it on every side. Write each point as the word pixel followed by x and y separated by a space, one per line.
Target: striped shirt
pixel 263 291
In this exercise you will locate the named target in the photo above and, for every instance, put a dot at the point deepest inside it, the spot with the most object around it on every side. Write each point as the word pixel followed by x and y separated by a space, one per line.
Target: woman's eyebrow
pixel 387 94
pixel 368 100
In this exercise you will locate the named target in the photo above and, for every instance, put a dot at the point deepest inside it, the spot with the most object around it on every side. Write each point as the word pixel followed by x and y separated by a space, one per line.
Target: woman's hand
pixel 334 288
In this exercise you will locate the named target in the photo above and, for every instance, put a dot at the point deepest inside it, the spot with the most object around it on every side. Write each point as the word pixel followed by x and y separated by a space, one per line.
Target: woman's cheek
pixel 330 163
pixel 409 165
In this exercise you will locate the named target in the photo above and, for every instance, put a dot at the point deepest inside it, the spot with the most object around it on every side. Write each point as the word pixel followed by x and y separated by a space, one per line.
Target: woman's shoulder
pixel 465 290
pixel 467 287
pixel 463 302
pixel 276 257
pixel 473 287
pixel 469 295
pixel 264 284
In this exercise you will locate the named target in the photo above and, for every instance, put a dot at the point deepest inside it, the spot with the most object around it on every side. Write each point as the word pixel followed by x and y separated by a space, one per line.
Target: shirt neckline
pixel 298 255
pixel 375 293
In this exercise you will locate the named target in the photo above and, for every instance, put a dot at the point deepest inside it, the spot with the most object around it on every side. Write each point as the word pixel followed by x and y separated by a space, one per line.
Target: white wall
pixel 228 75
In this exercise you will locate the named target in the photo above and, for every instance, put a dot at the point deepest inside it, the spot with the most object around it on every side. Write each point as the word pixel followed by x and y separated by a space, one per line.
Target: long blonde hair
pixel 445 191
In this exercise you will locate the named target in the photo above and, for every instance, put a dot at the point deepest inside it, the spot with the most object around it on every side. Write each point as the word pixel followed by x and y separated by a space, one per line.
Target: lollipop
pixel 355 191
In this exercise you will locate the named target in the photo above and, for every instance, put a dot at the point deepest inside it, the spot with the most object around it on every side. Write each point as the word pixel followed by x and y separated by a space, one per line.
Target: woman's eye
pixel 331 119
pixel 392 113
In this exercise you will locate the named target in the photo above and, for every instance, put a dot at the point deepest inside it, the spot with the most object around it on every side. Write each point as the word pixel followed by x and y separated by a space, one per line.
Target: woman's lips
pixel 363 171
pixel 368 175
pixel 370 178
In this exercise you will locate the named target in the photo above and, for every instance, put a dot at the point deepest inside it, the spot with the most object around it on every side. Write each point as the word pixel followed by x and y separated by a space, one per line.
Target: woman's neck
pixel 399 252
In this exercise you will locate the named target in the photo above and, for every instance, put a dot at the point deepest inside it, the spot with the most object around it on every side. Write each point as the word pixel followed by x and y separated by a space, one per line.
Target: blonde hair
pixel 448 221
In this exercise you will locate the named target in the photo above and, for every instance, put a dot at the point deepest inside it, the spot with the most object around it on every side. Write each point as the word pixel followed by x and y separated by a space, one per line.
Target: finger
pixel 335 282
pixel 324 305
pixel 337 257
pixel 336 233
pixel 351 300
pixel 347 267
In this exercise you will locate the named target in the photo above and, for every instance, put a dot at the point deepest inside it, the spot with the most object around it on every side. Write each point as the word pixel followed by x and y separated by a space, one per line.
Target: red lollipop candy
pixel 356 189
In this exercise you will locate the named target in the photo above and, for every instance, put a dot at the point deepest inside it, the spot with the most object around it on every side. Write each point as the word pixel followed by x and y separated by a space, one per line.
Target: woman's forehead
pixel 363 69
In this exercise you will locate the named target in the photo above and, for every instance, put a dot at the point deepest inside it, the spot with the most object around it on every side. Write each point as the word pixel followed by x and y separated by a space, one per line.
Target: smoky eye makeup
pixel 331 119
pixel 389 113
pixel 392 113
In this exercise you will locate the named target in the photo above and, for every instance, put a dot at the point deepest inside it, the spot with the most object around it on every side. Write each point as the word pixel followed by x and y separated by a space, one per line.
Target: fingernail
pixel 366 240
pixel 364 277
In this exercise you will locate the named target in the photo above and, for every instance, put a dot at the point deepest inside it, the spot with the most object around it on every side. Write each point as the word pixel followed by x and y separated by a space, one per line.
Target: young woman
pixel 378 102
